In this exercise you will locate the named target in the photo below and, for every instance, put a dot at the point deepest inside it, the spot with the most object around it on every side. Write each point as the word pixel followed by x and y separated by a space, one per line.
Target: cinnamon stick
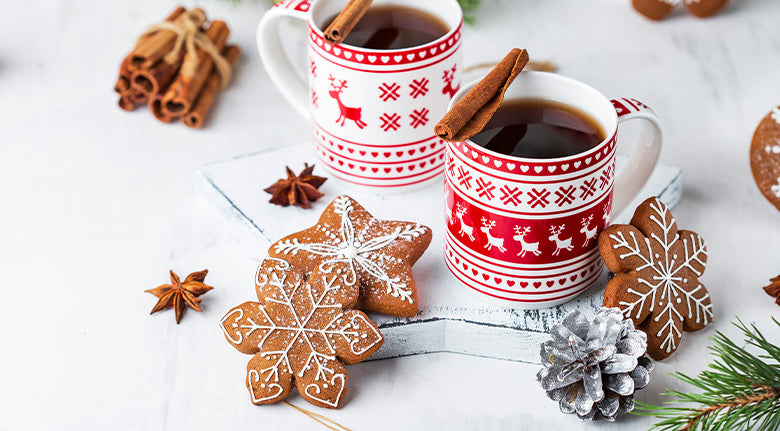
pixel 126 104
pixel 186 86
pixel 155 105
pixel 156 79
pixel 345 21
pixel 209 92
pixel 127 100
pixel 123 81
pixel 138 98
pixel 474 110
pixel 154 47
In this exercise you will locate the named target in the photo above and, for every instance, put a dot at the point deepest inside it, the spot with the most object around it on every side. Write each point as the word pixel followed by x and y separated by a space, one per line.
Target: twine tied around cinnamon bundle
pixel 189 37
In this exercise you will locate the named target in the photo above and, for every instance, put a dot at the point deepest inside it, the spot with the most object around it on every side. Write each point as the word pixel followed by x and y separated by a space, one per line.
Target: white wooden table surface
pixel 97 204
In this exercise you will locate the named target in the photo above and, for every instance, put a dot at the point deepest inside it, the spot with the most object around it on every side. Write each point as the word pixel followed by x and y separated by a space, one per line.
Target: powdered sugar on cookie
pixel 379 253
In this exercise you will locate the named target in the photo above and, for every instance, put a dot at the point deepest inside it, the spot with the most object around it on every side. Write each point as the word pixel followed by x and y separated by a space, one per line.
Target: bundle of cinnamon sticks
pixel 177 67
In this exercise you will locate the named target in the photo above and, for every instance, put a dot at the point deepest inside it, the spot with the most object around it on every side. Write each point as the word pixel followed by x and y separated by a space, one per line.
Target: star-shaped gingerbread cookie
pixel 657 270
pixel 302 332
pixel 379 253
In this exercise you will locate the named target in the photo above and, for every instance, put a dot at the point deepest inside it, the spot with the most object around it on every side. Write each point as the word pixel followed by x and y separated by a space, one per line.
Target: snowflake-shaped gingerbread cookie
pixel 656 281
pixel 301 332
pixel 379 253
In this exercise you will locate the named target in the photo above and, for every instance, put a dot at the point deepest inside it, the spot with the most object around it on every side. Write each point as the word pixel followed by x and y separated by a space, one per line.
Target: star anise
pixel 298 190
pixel 179 293
pixel 774 289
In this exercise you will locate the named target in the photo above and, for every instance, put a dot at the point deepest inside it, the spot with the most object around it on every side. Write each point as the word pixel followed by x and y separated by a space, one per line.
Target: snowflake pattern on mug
pixel 379 253
pixel 300 333
pixel 656 281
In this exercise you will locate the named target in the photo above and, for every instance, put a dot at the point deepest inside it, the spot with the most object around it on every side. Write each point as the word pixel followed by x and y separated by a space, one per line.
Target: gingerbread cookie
pixel 656 281
pixel 301 332
pixel 379 253
pixel 705 8
pixel 765 157
pixel 654 9
pixel 659 9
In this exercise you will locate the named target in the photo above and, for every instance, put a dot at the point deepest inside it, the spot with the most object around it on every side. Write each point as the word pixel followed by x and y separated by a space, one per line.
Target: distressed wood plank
pixel 451 319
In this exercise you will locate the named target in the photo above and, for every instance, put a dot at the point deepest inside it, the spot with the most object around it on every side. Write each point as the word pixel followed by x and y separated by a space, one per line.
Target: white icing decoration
pixel 354 249
pixel 776 188
pixel 254 377
pixel 279 265
pixel 773 149
pixel 240 313
pixel 268 377
pixel 355 324
pixel 317 390
pixel 664 286
pixel 776 114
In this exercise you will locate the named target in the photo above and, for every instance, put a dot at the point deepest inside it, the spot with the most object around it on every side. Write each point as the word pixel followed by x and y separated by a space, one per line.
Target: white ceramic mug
pixel 372 111
pixel 522 232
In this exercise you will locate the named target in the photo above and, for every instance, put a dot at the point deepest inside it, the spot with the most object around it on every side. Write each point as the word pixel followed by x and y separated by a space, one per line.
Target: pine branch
pixel 469 7
pixel 739 390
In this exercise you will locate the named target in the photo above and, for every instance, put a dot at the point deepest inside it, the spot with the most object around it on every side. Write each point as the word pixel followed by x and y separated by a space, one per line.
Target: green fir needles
pixel 740 390
pixel 469 7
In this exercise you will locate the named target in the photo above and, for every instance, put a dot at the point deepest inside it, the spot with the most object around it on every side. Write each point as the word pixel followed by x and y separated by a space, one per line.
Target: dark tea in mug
pixel 539 129
pixel 394 27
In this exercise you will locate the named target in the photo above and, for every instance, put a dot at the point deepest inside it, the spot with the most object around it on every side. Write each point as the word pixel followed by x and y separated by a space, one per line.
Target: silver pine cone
pixel 594 368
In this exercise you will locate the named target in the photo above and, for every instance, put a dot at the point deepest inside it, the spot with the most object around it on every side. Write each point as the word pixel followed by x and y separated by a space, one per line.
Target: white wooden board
pixel 451 319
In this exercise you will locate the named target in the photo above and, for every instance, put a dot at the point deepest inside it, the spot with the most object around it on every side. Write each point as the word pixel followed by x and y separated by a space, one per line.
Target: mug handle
pixel 644 157
pixel 276 62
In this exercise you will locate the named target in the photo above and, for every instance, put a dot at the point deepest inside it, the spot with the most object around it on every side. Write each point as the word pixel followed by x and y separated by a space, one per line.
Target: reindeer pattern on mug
pixel 504 238
pixel 373 111
pixel 448 77
pixel 575 206
pixel 405 102
pixel 345 112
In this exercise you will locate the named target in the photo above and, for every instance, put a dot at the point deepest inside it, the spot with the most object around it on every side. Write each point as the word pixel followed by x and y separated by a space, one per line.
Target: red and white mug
pixel 522 232
pixel 372 111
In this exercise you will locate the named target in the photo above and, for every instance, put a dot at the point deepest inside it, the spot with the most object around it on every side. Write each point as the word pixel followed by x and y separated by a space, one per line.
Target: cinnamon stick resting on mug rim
pixel 471 113
pixel 345 21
